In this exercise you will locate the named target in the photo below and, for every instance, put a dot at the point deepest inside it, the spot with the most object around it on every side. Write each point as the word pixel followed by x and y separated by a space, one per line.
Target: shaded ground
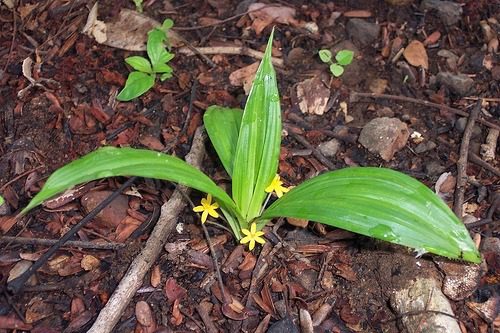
pixel 311 268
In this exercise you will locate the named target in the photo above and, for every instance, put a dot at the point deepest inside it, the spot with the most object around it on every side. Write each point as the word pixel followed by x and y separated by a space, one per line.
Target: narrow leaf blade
pixel 222 125
pixel 257 150
pixel 383 204
pixel 110 161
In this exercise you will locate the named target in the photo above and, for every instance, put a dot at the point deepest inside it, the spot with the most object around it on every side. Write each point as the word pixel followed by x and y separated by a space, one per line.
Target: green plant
pixel 2 200
pixel 144 76
pixel 138 5
pixel 343 58
pixel 376 202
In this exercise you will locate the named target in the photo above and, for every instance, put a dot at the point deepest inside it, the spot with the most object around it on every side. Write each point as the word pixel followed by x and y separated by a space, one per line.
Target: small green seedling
pixel 376 202
pixel 144 76
pixel 138 5
pixel 343 58
pixel 2 200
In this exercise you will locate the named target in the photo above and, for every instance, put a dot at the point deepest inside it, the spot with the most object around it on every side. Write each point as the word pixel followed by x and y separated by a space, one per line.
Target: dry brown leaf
pixel 90 263
pixel 155 276
pixel 37 309
pixel 173 291
pixel 313 96
pixel 244 76
pixel 263 15
pixel 432 38
pixel 144 315
pixel 360 13
pixel 416 55
pixel 301 223
pixel 177 316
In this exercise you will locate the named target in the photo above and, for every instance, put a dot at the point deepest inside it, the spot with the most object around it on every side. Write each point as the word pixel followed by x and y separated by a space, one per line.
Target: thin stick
pixel 50 242
pixel 354 96
pixel 316 153
pixel 462 161
pixel 236 50
pixel 479 161
pixel 133 279
pixel 222 21
pixel 15 286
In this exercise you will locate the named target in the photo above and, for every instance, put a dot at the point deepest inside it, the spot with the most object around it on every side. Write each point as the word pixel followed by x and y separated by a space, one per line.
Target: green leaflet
pixel 111 161
pixel 137 84
pixel 383 204
pixel 257 150
pixel 222 125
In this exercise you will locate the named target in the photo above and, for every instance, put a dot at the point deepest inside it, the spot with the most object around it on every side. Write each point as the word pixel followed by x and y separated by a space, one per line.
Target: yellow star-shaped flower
pixel 252 236
pixel 277 186
pixel 207 208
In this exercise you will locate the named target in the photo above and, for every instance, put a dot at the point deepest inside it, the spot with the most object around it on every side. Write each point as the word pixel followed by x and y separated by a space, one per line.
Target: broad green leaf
pixel 137 84
pixel 162 68
pixel 139 64
pixel 325 55
pixel 110 161
pixel 344 57
pixel 222 125
pixel 336 70
pixel 257 150
pixel 155 47
pixel 383 204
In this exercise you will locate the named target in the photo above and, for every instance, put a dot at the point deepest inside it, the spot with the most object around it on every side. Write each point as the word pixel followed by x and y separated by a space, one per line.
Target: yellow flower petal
pixel 251 245
pixel 246 239
pixel 260 240
pixel 198 209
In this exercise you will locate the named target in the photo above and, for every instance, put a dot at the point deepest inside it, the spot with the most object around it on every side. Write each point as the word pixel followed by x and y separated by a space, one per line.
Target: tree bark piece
pixel 133 279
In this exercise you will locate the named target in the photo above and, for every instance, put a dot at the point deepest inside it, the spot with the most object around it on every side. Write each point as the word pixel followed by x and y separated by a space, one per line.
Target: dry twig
pixel 354 97
pixel 462 161
pixel 112 311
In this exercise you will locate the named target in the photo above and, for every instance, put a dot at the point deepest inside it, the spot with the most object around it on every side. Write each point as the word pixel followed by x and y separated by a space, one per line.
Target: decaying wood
pixel 133 279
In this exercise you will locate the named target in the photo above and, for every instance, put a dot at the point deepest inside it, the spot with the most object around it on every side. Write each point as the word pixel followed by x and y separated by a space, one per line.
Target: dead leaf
pixel 360 13
pixel 129 31
pixel 301 223
pixel 432 38
pixel 26 9
pixel 94 27
pixel 177 316
pixel 244 77
pixel 37 309
pixel 155 276
pixel 90 263
pixel 313 96
pixel 11 322
pixel 263 15
pixel 416 55
pixel 173 291
pixel 144 316
pixel 81 320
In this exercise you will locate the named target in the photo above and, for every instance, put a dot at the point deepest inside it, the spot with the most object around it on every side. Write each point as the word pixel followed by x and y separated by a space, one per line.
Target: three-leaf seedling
pixel 375 202
pixel 343 58
pixel 144 76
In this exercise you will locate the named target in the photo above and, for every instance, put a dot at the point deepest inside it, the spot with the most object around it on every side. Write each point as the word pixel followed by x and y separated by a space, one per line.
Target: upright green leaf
pixel 383 204
pixel 257 151
pixel 344 57
pixel 110 161
pixel 155 46
pixel 222 125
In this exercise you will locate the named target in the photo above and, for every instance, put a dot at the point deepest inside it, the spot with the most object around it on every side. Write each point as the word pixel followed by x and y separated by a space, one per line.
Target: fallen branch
pixel 462 161
pixel 355 95
pixel 50 242
pixel 133 279
pixel 236 50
